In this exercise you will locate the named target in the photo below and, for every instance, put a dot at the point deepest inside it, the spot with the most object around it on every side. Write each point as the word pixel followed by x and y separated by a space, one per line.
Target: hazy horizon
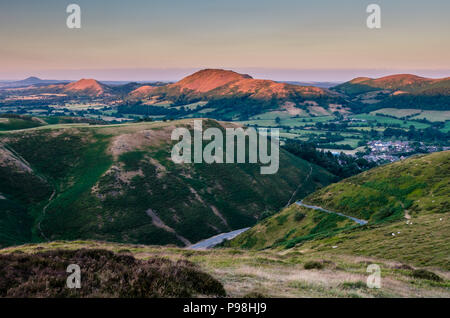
pixel 170 75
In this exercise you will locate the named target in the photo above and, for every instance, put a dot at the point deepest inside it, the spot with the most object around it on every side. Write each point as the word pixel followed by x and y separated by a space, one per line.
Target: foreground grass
pixel 422 241
pixel 279 273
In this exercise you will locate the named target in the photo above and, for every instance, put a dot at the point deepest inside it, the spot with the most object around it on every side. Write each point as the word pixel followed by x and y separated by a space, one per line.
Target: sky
pixel 295 40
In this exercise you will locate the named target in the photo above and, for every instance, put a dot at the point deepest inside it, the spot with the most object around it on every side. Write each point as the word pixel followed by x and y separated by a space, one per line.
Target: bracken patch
pixel 103 274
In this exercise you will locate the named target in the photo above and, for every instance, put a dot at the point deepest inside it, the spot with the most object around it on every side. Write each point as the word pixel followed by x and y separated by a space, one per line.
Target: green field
pixel 396 112
pixel 390 121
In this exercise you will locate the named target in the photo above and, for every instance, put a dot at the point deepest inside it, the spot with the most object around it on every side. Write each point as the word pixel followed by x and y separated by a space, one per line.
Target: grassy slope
pixel 291 223
pixel 421 242
pixel 75 161
pixel 420 184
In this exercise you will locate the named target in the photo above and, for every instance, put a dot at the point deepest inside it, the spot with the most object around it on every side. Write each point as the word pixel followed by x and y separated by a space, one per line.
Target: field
pixel 390 121
pixel 431 115
pixel 353 131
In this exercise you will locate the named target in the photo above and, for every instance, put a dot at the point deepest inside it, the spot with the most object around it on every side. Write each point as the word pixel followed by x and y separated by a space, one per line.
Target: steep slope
pixel 291 223
pixel 119 183
pixel 20 187
pixel 417 185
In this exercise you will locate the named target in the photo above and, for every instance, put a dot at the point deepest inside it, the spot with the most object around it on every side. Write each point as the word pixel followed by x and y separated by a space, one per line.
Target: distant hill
pixel 217 83
pixel 141 92
pixel 30 81
pixel 231 95
pixel 397 91
pixel 397 84
pixel 119 184
pixel 222 83
pixel 86 87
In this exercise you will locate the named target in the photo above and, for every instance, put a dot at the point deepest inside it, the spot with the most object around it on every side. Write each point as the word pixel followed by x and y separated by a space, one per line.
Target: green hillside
pixel 118 183
pixel 406 204
pixel 291 225
pixel 414 186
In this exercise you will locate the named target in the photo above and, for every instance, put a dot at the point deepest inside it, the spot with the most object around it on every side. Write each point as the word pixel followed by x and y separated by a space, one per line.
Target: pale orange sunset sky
pixel 166 39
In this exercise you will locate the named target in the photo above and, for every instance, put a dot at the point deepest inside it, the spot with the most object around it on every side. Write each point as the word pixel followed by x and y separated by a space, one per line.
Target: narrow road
pixel 361 222
pixel 215 240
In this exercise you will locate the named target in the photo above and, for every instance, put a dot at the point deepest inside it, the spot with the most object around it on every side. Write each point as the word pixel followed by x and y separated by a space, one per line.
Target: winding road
pixel 215 240
pixel 359 221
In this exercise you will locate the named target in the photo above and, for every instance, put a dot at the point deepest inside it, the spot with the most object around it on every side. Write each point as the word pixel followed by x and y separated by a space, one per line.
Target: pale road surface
pixel 362 222
pixel 215 240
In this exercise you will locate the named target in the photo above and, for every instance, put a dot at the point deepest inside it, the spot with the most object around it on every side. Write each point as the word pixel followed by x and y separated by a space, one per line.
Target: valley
pixel 118 183
pixel 363 179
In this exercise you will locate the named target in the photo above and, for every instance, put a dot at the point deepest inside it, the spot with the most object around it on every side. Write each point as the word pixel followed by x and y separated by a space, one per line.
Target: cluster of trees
pixel 244 107
pixel 341 165
pixel 430 134
pixel 425 102
pixel 149 110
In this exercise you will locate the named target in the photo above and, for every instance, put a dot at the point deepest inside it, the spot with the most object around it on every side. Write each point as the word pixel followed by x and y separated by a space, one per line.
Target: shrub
pixel 424 274
pixel 353 285
pixel 299 216
pixel 313 265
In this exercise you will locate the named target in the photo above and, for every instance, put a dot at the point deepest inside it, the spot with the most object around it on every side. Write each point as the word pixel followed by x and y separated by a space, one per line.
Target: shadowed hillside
pixel 118 183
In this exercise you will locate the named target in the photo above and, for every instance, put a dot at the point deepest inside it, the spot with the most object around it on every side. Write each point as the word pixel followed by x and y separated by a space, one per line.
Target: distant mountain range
pixel 241 94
